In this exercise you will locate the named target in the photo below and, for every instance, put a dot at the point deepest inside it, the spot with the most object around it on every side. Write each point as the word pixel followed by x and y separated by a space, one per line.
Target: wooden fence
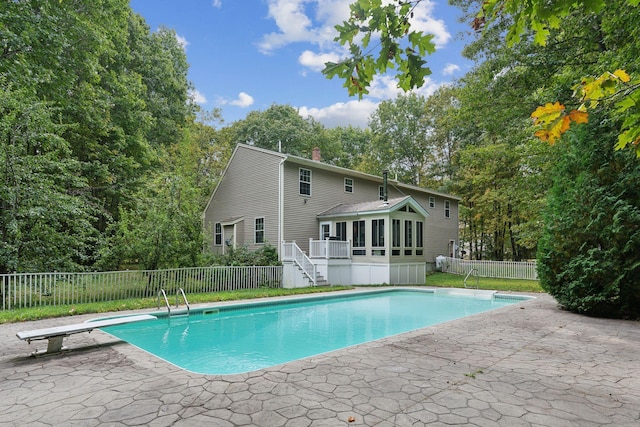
pixel 498 269
pixel 42 289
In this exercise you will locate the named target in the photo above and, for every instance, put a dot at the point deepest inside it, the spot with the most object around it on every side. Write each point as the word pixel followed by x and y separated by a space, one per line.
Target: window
pixel 217 232
pixel 447 209
pixel 419 237
pixel 381 192
pixel 395 237
pixel 432 202
pixel 259 230
pixel 377 236
pixel 341 231
pixel 305 182
pixel 408 237
pixel 358 238
pixel 348 185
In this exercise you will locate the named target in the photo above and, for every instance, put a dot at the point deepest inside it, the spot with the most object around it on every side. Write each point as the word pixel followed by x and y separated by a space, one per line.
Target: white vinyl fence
pixel 498 269
pixel 42 289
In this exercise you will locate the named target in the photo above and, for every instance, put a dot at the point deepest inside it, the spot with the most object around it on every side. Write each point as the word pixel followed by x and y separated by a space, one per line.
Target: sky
pixel 246 55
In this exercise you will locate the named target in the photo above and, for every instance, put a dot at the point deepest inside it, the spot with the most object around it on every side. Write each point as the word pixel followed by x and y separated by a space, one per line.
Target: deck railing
pixel 43 289
pixel 329 249
pixel 498 269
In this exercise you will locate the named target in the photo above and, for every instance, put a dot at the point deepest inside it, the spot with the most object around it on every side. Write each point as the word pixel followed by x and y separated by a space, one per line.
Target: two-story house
pixel 330 224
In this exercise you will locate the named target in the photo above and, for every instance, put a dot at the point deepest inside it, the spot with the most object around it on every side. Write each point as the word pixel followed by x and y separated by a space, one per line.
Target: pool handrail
pixel 166 301
pixel 469 274
pixel 179 292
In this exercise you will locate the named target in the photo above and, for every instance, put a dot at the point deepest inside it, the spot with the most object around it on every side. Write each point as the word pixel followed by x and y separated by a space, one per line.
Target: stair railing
pixel 293 253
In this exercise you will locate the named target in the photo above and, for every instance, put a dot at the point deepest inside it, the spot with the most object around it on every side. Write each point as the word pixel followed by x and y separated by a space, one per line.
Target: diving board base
pixel 56 335
pixel 54 345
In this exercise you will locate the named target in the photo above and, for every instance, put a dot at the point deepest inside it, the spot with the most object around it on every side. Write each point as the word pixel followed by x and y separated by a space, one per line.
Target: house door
pixel 325 230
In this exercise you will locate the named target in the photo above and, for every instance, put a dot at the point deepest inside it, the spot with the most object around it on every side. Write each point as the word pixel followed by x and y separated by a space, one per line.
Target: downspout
pixel 280 207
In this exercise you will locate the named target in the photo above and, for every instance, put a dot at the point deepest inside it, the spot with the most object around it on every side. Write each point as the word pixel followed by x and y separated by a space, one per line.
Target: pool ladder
pixel 179 292
pixel 469 274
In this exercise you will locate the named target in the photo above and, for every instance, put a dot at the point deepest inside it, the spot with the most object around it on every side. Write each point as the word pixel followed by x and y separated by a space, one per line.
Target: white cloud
pixel 386 87
pixel 314 21
pixel 423 20
pixel 182 41
pixel 316 61
pixel 333 12
pixel 428 88
pixel 357 112
pixel 450 69
pixel 217 3
pixel 243 100
pixel 354 113
pixel 295 24
pixel 197 97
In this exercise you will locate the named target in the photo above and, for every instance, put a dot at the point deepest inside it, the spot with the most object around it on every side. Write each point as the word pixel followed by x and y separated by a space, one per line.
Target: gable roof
pixel 375 206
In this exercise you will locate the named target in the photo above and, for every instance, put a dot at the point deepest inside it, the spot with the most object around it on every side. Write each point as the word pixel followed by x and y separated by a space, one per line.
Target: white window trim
pixel 376 231
pixel 255 230
pixel 321 234
pixel 300 181
pixel 216 234
pixel 432 202
pixel 447 209
pixel 348 185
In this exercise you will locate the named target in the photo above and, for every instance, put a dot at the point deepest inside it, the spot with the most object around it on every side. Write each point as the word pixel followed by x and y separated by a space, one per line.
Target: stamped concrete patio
pixel 530 364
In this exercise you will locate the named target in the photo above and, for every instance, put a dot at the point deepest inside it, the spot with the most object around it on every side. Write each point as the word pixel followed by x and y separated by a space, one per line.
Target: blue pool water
pixel 247 337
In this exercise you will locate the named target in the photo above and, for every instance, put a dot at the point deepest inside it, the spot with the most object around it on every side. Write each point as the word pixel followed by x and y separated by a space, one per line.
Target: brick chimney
pixel 316 154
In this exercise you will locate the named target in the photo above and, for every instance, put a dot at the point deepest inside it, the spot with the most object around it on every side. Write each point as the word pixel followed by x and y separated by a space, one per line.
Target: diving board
pixel 56 334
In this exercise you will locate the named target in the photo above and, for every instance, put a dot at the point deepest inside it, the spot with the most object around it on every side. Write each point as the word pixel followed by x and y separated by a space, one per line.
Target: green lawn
pixel 447 280
pixel 45 312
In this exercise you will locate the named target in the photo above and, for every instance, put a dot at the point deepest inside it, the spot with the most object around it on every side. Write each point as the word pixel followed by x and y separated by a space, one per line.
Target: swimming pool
pixel 246 337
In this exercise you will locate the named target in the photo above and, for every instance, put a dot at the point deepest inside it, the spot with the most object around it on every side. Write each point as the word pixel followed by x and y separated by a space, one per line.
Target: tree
pixel 46 221
pixel 164 228
pixel 389 26
pixel 498 168
pixel 352 142
pixel 588 257
pixel 121 90
pixel 442 110
pixel 278 128
pixel 118 96
pixel 400 134
pixel 392 25
pixel 281 128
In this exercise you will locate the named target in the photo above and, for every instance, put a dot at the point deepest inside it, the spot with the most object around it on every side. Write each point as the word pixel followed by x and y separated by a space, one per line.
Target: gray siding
pixel 327 190
pixel 438 229
pixel 249 189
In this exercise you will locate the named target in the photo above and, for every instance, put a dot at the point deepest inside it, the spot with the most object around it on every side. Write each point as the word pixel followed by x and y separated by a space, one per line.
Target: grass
pixel 45 312
pixel 448 280
pixel 443 280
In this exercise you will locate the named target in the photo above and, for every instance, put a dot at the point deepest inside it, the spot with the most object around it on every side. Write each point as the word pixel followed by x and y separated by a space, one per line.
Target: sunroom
pixel 379 242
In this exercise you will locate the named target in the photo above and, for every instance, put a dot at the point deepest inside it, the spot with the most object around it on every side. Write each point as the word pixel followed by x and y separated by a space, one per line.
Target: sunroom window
pixel 377 237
